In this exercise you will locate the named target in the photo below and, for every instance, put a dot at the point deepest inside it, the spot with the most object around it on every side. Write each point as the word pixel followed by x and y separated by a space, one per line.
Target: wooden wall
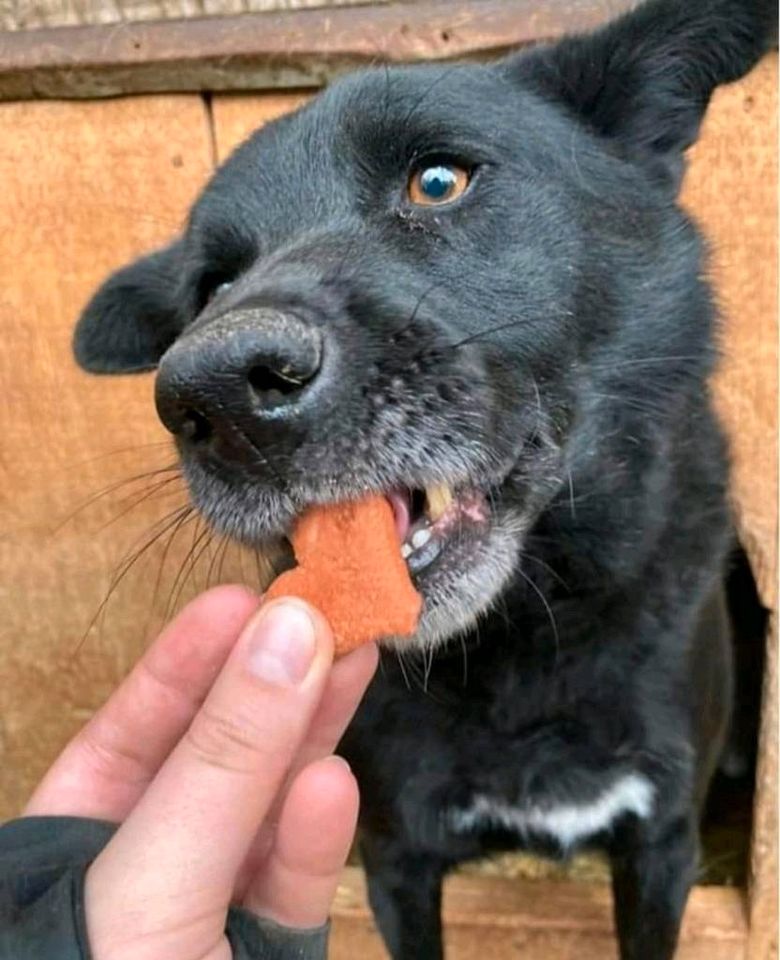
pixel 86 186
pixel 32 14
pixel 732 190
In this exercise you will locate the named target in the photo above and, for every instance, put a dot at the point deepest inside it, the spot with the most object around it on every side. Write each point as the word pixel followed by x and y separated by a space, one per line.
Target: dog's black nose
pixel 249 365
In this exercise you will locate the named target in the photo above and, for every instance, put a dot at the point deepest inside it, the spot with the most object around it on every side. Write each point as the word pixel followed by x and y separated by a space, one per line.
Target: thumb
pixel 165 879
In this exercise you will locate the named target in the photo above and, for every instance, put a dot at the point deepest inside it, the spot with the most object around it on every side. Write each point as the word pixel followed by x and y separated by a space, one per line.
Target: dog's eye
pixel 210 287
pixel 438 183
pixel 220 288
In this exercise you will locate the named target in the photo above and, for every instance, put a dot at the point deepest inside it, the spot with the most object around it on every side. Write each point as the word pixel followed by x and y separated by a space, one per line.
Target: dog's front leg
pixel 653 868
pixel 405 893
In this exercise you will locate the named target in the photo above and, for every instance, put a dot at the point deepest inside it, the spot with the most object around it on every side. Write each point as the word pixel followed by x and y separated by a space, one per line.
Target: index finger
pixel 192 828
pixel 107 766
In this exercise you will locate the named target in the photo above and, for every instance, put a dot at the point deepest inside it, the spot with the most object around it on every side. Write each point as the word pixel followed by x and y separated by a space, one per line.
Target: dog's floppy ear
pixel 645 79
pixel 134 316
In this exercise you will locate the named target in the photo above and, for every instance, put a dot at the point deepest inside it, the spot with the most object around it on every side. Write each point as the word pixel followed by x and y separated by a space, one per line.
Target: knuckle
pixel 110 758
pixel 228 742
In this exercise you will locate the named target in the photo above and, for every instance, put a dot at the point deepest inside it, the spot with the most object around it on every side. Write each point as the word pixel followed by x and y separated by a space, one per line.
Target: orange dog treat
pixel 350 568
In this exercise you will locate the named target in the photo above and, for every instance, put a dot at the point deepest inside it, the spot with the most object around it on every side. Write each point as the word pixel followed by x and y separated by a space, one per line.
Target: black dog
pixel 470 288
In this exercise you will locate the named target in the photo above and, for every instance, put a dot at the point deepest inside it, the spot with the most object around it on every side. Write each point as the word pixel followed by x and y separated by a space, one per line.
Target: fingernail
pixel 282 644
pixel 338 761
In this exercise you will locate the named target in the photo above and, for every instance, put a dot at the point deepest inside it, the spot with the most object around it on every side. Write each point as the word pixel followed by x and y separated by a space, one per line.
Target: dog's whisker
pixel 547 607
pixel 413 316
pixel 130 559
pixel 143 216
pixel 425 95
pixel 214 546
pixel 427 666
pixel 186 565
pixel 120 451
pixel 571 493
pixel 400 658
pixel 641 361
pixel 225 549
pixel 221 545
pixel 153 491
pixel 464 649
pixel 498 328
pixel 169 603
pixel 187 512
pixel 525 555
pixel 112 488
pixel 207 536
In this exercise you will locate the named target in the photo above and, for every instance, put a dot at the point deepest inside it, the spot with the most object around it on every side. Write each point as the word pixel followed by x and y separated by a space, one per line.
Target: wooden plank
pixel 763 890
pixel 236 116
pixel 31 14
pixel 85 187
pixel 491 917
pixel 302 48
pixel 732 190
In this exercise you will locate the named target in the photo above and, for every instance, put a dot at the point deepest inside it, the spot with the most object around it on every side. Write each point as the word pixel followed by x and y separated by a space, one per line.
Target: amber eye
pixel 437 184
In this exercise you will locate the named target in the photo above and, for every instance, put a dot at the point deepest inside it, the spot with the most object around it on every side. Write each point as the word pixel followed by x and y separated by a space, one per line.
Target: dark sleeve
pixel 43 861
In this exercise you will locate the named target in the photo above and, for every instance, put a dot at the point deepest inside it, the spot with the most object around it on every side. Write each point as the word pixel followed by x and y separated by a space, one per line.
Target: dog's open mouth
pixel 460 541
pixel 433 522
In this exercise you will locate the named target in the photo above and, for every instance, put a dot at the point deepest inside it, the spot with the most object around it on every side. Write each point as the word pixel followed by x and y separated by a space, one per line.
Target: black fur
pixel 546 338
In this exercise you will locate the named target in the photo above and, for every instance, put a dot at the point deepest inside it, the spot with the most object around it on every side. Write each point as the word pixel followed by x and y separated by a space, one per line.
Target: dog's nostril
pixel 262 379
pixel 273 386
pixel 195 427
pixel 220 380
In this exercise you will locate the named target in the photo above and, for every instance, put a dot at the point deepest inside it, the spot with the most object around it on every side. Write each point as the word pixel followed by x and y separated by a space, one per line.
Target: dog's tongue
pixel 401 513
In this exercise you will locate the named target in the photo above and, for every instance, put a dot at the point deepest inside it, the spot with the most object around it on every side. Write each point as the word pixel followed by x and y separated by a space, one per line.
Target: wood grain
pixel 301 48
pixel 237 116
pixel 85 188
pixel 30 14
pixel 732 190
pixel 497 919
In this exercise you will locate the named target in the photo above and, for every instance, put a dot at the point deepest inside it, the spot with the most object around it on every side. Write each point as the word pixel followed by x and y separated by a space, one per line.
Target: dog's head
pixel 424 283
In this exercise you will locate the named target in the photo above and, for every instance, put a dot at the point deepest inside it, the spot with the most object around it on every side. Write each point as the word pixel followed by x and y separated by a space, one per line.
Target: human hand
pixel 215 756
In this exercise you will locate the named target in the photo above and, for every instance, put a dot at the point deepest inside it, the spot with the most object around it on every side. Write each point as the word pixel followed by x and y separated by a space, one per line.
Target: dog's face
pixel 406 287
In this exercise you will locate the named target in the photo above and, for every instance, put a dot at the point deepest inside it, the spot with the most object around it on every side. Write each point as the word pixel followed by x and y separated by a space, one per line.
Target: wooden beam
pixel 497 919
pixel 302 48
pixel 34 14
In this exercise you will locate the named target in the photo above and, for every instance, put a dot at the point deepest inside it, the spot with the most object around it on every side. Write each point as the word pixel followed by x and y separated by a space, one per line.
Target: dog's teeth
pixel 439 499
pixel 406 550
pixel 420 538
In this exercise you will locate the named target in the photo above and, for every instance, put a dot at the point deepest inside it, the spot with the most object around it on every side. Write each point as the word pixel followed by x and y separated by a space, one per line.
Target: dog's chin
pixel 460 555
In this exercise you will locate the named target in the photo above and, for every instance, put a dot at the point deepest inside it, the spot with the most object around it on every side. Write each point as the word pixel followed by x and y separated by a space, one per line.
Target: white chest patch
pixel 567 823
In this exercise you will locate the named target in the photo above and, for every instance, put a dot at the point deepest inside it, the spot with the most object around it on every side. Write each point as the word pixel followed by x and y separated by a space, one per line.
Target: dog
pixel 472 285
